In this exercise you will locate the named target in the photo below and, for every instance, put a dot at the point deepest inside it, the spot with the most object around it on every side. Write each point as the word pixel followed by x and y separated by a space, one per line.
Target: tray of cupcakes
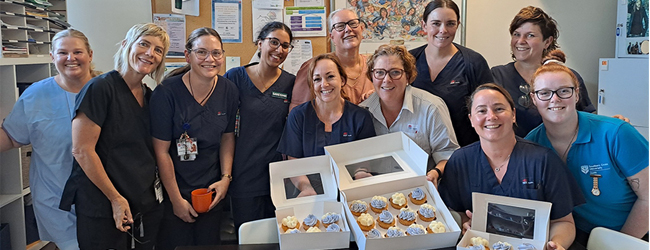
pixel 388 201
pixel 310 222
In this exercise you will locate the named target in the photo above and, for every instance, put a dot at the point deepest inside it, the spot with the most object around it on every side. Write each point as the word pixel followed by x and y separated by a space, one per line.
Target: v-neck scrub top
pixel 534 172
pixel 262 116
pixel 464 72
pixel 172 106
pixel 124 147
pixel 613 149
pixel 305 136
pixel 41 117
pixel 528 117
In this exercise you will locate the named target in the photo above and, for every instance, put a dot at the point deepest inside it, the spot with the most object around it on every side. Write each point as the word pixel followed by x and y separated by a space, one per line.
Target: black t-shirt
pixel 124 147
pixel 172 106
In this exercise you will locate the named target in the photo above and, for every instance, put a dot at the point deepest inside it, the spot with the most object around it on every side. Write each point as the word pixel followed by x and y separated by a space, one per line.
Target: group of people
pixel 111 157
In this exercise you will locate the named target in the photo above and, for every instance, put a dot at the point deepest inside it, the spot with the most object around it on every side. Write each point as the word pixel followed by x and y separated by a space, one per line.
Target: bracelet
pixel 227 175
pixel 439 172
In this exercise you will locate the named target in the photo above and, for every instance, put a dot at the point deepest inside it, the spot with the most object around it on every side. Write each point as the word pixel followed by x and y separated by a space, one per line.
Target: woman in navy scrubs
pixel 264 97
pixel 501 163
pixel 447 69
pixel 396 106
pixel 196 108
pixel 113 183
pixel 533 34
pixel 607 156
pixel 328 119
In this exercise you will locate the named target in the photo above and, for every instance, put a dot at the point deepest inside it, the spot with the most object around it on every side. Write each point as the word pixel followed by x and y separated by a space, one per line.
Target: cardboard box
pixel 506 219
pixel 398 165
pixel 301 207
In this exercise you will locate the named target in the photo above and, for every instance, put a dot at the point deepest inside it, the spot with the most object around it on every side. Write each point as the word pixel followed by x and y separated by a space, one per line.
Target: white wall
pixel 587 32
pixel 105 23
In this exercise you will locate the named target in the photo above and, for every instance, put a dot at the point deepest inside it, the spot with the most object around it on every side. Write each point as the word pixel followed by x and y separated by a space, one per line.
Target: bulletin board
pixel 247 48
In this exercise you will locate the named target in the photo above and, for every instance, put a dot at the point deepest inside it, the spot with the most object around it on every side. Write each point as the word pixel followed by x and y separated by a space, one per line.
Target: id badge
pixel 187 148
pixel 157 186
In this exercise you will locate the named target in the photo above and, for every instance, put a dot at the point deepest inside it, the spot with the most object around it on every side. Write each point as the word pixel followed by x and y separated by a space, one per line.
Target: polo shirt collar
pixel 408 99
pixel 584 129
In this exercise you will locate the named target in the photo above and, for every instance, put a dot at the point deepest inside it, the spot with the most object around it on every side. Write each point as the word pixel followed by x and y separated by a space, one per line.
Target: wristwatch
pixel 227 175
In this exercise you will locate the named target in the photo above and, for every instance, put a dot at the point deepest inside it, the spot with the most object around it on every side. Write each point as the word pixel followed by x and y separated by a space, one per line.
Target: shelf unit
pixel 28 29
pixel 26 26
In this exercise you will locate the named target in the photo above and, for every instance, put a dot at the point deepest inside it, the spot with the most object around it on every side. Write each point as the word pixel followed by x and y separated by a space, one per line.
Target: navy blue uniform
pixel 534 172
pixel 261 121
pixel 305 136
pixel 172 107
pixel 528 118
pixel 465 71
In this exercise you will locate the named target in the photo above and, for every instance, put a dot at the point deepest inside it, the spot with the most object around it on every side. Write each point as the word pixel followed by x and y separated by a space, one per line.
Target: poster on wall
pixel 306 21
pixel 175 26
pixel 389 21
pixel 265 11
pixel 637 27
pixel 226 19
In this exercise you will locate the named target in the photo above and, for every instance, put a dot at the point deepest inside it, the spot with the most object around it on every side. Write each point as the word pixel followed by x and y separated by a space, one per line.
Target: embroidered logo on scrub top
pixel 594 168
pixel 345 134
pixel 221 113
pixel 454 82
pixel 525 181
pixel 412 128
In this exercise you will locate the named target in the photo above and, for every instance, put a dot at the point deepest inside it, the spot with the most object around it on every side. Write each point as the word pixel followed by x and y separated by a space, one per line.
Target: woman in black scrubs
pixel 533 34
pixel 447 69
pixel 113 181
pixel 195 106
pixel 327 119
pixel 264 98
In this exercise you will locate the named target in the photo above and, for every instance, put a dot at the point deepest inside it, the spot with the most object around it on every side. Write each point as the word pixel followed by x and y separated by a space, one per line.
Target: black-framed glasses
pixel 275 43
pixel 394 74
pixel 201 54
pixel 524 100
pixel 562 93
pixel 340 26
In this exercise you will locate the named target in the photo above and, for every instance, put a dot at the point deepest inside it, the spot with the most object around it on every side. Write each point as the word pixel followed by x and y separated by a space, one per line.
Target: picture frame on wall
pixel 391 21
pixel 632 29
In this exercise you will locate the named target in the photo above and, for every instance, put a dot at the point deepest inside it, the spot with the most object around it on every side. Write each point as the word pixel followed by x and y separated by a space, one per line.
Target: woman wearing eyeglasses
pixel 264 96
pixel 533 34
pixel 346 33
pixel 502 163
pixel 193 121
pixel 328 119
pixel 607 156
pixel 396 106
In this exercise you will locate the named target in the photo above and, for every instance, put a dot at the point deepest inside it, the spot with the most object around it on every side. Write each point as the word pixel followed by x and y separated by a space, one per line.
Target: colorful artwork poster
pixel 388 20
pixel 637 18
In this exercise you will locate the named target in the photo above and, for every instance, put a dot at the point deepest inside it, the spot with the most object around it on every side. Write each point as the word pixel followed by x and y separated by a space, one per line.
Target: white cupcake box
pixel 397 165
pixel 317 205
pixel 512 220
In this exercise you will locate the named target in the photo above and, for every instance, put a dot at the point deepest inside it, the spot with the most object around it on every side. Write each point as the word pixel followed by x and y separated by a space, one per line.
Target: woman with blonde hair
pixel 113 183
pixel 42 116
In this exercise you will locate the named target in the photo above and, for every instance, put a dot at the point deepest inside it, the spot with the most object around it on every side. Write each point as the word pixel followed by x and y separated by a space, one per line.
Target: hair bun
pixel 555 56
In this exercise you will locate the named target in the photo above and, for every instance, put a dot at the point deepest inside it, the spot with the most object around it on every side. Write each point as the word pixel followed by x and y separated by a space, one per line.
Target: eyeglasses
pixel 524 100
pixel 562 93
pixel 394 74
pixel 354 23
pixel 275 43
pixel 201 54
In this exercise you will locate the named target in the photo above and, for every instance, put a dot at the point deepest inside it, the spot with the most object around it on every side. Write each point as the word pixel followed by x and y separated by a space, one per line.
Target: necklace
pixel 360 70
pixel 497 169
pixel 189 79
pixel 573 138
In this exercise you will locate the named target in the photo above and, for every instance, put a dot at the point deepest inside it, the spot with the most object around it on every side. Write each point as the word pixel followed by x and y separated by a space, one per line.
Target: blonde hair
pixel 408 61
pixel 70 32
pixel 121 58
pixel 554 62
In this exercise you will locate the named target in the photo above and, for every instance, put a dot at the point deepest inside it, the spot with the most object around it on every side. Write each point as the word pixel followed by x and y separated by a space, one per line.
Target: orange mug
pixel 201 199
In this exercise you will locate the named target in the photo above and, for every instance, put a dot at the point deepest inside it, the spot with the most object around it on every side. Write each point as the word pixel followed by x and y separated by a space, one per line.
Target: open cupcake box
pixel 301 207
pixel 389 152
pixel 527 221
